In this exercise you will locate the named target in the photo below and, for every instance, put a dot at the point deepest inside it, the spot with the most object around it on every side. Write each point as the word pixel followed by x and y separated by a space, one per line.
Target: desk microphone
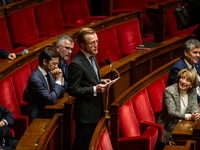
pixel 108 61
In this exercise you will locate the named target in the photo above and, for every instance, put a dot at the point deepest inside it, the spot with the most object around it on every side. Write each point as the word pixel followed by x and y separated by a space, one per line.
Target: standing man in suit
pixel 6 54
pixel 45 84
pixel 6 120
pixel 87 86
pixel 190 59
pixel 65 47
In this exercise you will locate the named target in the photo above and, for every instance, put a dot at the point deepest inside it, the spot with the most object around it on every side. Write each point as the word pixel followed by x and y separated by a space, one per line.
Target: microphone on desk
pixel 108 61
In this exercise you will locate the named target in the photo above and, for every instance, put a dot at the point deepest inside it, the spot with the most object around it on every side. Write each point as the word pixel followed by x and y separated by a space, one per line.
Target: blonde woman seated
pixel 179 102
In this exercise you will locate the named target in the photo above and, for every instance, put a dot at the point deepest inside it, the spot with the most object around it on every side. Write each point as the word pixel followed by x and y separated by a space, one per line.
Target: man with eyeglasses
pixel 45 84
pixel 86 85
pixel 65 46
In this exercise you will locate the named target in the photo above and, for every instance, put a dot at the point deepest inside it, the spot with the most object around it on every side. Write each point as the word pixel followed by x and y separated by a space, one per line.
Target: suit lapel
pixel 177 97
pixel 40 75
pixel 87 64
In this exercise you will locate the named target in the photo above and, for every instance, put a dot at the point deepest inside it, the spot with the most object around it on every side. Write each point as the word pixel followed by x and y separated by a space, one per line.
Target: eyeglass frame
pixel 93 43
pixel 67 48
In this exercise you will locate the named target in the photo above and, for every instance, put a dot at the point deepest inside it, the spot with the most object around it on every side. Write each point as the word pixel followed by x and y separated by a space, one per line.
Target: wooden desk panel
pixel 183 131
pixel 174 147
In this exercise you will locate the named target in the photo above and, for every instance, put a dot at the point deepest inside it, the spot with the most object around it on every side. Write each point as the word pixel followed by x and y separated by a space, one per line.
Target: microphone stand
pixel 118 75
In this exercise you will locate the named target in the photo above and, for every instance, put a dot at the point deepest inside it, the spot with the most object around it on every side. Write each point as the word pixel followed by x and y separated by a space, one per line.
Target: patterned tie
pixel 94 65
pixel 48 80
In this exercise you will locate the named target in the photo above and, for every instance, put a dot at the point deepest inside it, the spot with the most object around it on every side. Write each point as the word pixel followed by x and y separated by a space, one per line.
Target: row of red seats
pixel 12 87
pixel 37 23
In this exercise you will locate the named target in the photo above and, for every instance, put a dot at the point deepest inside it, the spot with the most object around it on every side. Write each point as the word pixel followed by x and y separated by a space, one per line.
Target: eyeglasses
pixel 93 43
pixel 53 63
pixel 68 48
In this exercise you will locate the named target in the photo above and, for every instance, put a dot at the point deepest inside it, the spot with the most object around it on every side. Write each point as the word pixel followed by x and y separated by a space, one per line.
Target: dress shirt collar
pixel 42 70
pixel 188 64
pixel 86 55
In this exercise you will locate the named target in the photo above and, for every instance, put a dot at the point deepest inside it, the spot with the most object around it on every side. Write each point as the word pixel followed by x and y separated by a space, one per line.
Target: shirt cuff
pixel 6 123
pixel 95 90
pixel 187 116
pixel 58 82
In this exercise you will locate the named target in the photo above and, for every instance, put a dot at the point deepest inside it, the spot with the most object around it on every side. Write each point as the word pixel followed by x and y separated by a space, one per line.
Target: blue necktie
pixel 4 2
pixel 94 65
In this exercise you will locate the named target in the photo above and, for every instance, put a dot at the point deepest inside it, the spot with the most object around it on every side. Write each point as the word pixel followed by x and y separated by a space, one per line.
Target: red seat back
pixel 20 80
pixel 23 28
pixel 128 35
pixel 49 18
pixel 108 47
pixel 171 30
pixel 142 107
pixel 8 96
pixel 4 36
pixel 80 12
pixel 104 142
pixel 33 64
pixel 129 125
pixel 155 93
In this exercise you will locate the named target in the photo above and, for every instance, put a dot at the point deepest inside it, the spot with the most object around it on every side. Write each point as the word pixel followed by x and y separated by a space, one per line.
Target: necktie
pixel 94 65
pixel 4 2
pixel 48 80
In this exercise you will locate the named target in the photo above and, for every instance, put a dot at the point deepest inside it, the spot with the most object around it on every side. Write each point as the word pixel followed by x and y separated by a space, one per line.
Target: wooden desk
pixel 174 147
pixel 183 132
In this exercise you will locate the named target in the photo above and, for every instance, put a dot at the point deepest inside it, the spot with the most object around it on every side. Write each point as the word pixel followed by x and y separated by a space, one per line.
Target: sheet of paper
pixel 112 81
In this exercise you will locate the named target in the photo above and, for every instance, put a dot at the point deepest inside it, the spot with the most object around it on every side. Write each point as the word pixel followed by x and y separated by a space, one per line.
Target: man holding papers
pixel 86 85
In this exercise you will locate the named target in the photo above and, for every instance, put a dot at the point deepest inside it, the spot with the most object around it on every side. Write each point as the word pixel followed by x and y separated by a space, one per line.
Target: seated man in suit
pixel 45 84
pixel 65 46
pixel 5 2
pixel 7 55
pixel 7 120
pixel 190 59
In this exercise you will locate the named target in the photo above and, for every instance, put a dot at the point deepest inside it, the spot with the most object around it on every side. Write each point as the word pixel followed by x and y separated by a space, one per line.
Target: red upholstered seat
pixel 171 27
pixel 155 93
pixel 165 77
pixel 5 42
pixel 80 12
pixel 33 64
pixel 143 110
pixel 104 142
pixel 128 35
pixel 23 28
pixel 49 18
pixel 20 80
pixel 152 2
pixel 9 100
pixel 135 134
pixel 120 6
pixel 108 47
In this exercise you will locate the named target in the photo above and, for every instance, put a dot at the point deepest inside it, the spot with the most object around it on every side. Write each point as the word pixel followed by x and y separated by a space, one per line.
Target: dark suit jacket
pixel 179 65
pixel 4 54
pixel 9 117
pixel 170 114
pixel 87 108
pixel 39 95
pixel 65 72
pixel 7 2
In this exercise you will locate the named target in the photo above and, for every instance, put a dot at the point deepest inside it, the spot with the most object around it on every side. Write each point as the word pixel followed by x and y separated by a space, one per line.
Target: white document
pixel 112 81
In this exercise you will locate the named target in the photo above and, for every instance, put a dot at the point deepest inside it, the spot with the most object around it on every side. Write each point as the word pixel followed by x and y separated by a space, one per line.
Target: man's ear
pixel 57 48
pixel 44 62
pixel 185 53
pixel 82 45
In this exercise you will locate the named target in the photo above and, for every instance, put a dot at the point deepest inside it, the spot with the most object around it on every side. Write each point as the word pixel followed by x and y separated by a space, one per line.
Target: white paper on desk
pixel 112 81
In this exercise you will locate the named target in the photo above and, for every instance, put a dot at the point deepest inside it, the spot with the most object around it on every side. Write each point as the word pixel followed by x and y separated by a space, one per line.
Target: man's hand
pixel 11 56
pixel 2 123
pixel 57 74
pixel 101 88
pixel 104 81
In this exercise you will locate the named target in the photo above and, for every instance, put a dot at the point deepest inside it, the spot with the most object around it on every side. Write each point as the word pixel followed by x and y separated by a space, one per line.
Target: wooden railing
pixel 43 134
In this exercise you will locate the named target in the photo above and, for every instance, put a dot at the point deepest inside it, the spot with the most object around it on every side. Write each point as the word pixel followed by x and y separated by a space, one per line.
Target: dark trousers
pixel 83 136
